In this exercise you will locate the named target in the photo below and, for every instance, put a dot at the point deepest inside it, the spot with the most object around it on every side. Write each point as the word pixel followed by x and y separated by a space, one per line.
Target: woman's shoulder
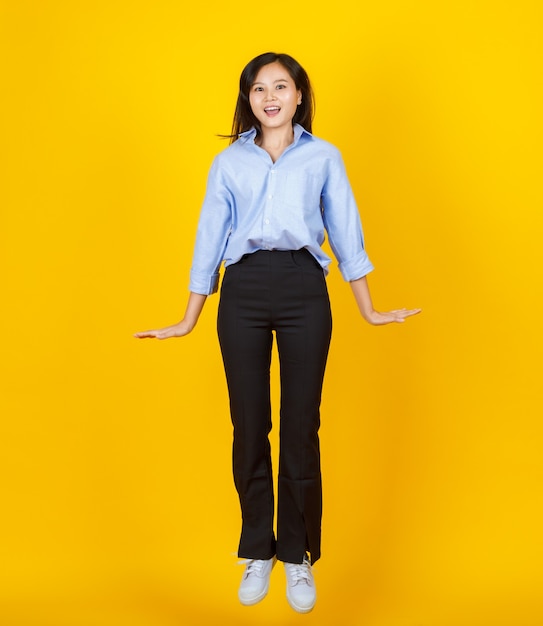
pixel 232 159
pixel 322 146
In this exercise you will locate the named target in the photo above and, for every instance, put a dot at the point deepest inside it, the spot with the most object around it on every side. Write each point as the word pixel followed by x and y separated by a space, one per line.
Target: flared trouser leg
pixel 283 292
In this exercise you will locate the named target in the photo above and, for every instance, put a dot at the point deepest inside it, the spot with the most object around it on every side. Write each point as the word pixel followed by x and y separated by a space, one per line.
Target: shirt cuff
pixel 356 268
pixel 203 283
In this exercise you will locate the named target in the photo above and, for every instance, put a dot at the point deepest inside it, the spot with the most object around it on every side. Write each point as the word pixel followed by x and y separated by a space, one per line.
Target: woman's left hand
pixel 396 316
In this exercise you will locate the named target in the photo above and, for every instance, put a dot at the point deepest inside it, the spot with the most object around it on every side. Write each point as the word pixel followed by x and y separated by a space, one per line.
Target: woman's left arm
pixel 361 292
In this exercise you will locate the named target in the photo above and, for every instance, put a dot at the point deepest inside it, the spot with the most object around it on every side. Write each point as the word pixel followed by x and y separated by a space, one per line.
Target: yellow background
pixel 118 506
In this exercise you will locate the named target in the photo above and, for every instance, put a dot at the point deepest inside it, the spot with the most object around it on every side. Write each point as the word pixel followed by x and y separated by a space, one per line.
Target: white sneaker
pixel 301 592
pixel 255 581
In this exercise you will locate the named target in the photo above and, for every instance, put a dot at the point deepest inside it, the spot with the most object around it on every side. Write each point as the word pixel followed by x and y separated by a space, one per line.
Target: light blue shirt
pixel 252 203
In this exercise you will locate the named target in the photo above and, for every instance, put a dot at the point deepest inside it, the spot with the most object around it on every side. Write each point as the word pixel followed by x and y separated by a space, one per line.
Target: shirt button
pixel 266 221
pixel 273 171
pixel 270 197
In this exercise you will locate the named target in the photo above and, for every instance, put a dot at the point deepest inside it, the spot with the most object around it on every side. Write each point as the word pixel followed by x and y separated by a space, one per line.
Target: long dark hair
pixel 243 116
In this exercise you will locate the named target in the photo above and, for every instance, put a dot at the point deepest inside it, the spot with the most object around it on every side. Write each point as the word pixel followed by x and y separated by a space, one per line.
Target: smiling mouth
pixel 272 110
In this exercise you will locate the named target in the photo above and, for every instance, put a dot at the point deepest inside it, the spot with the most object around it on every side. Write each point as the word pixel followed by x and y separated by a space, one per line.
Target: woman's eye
pixel 281 86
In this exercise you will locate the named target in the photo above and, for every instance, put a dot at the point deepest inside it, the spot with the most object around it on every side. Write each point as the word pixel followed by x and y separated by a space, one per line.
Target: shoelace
pixel 300 572
pixel 254 566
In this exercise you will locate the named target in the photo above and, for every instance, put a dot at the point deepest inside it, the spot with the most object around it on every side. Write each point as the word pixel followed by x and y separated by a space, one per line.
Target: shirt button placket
pixel 268 211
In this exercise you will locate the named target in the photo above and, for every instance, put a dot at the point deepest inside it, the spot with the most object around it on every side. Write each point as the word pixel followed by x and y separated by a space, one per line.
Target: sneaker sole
pixel 300 609
pixel 256 599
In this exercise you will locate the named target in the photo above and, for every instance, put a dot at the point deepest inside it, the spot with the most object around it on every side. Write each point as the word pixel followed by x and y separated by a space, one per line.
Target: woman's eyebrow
pixel 279 80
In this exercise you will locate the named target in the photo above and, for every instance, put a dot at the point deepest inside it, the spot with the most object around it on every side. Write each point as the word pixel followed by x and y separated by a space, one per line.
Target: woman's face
pixel 273 97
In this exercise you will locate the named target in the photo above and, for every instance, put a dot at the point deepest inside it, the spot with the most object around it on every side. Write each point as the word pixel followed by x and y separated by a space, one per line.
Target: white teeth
pixel 272 109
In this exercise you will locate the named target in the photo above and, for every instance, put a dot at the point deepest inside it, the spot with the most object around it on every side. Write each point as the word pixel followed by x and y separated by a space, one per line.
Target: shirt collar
pixel 249 135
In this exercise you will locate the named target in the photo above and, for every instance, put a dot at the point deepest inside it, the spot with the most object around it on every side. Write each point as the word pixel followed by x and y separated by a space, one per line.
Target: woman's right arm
pixel 214 227
pixel 192 313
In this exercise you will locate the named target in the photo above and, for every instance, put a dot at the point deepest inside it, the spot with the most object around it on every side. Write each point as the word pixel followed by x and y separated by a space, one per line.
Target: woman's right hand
pixel 194 308
pixel 180 329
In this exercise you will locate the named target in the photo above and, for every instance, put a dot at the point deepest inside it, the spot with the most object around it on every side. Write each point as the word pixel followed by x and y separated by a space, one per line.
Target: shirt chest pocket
pixel 298 190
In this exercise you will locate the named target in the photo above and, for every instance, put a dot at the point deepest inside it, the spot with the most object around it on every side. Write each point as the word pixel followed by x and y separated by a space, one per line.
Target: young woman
pixel 271 195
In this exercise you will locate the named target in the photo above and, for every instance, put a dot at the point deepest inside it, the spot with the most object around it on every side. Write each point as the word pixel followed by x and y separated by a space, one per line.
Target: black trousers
pixel 285 292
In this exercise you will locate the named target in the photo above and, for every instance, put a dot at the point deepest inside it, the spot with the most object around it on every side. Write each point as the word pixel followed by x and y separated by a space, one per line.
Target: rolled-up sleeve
pixel 342 222
pixel 212 234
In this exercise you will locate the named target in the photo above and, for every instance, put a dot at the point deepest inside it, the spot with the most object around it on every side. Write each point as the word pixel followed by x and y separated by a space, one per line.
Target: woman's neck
pixel 275 140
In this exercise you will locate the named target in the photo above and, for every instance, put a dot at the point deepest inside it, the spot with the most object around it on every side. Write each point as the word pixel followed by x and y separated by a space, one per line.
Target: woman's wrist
pixel 369 314
pixel 187 323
